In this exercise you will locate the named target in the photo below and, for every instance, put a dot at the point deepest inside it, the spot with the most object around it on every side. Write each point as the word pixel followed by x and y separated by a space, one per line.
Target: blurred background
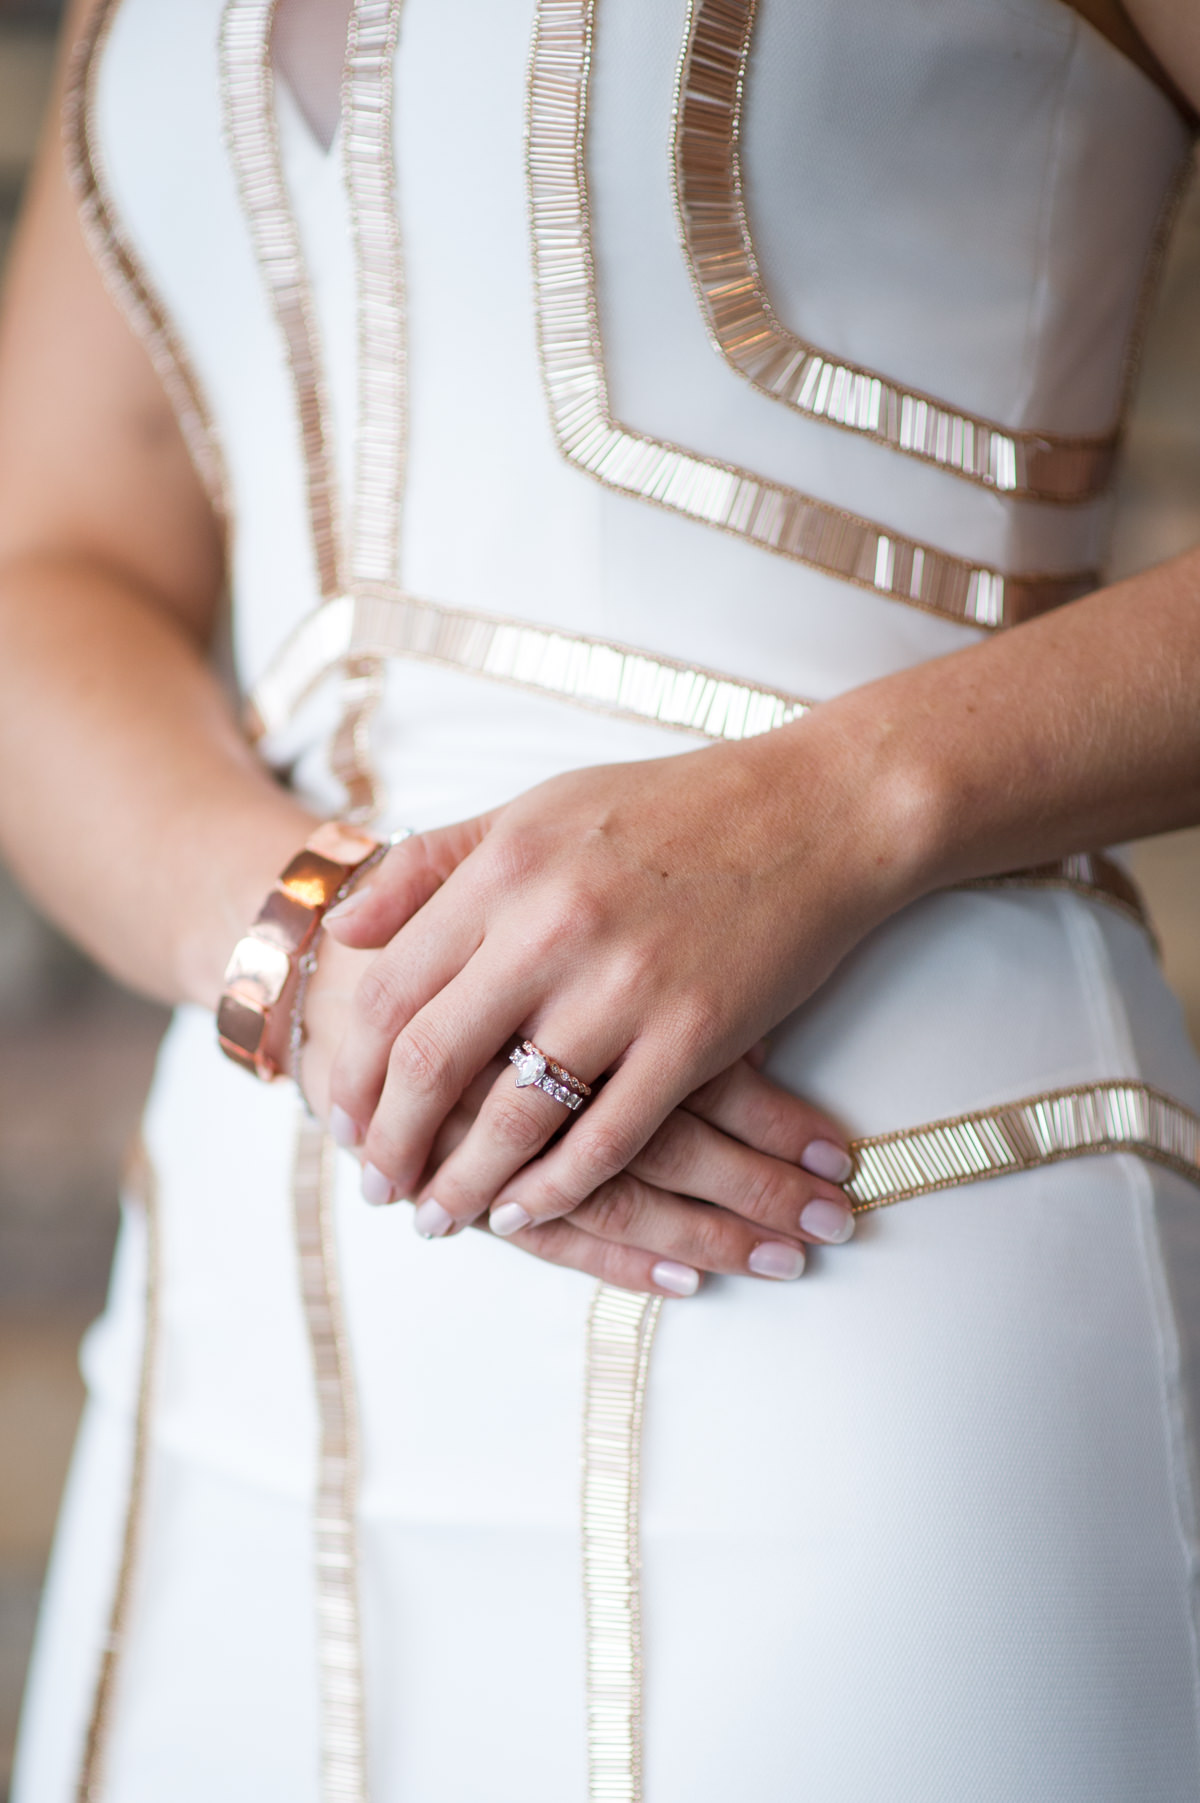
pixel 76 1052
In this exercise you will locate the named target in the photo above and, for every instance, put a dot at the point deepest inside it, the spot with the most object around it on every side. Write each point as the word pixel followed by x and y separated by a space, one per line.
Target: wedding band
pixel 535 1070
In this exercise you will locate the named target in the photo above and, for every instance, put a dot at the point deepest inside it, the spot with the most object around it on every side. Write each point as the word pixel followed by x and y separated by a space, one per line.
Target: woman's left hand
pixel 647 920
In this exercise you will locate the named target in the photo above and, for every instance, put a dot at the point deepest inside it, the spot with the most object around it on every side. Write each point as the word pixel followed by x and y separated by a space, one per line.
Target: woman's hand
pixel 649 920
pixel 735 1143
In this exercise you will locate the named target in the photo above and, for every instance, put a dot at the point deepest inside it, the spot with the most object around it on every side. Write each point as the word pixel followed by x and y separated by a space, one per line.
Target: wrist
pixel 875 807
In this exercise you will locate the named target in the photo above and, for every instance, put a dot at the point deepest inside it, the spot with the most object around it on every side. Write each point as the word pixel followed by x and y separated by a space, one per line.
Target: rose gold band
pixel 265 959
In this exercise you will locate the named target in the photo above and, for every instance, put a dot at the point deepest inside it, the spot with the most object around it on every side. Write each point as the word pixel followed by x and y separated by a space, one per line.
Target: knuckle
pixel 711 1241
pixel 553 1200
pixel 698 1022
pixel 597 1155
pixel 770 1195
pixel 376 997
pixel 515 1128
pixel 566 922
pixel 615 1209
pixel 630 972
pixel 418 1062
pixel 581 912
pixel 513 856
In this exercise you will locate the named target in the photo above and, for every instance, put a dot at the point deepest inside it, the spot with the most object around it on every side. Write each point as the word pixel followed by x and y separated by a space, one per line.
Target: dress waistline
pixel 367 628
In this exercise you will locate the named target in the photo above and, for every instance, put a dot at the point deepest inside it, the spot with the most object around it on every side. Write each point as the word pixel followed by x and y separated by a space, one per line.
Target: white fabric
pixel 919 1528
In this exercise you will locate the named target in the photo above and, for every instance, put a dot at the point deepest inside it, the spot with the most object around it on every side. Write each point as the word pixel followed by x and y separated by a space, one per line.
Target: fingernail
pixel 773 1259
pixel 376 1188
pixel 431 1220
pixel 681 1280
pixel 827 1221
pixel 344 1130
pixel 824 1159
pixel 510 1217
pixel 350 905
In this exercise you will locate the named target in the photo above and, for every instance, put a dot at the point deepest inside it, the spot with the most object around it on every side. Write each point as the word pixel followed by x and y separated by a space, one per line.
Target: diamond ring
pixel 535 1070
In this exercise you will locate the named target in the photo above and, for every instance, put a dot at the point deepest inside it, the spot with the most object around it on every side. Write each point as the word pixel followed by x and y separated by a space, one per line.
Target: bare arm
pixel 129 803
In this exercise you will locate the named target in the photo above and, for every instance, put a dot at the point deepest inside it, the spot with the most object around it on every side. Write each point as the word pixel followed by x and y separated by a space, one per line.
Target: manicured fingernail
pixel 352 903
pixel 510 1217
pixel 344 1130
pixel 827 1221
pixel 681 1280
pixel 824 1159
pixel 376 1188
pixel 431 1220
pixel 773 1259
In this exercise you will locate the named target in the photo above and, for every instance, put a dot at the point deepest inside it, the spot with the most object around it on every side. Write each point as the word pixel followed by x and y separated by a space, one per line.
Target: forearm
pixel 1076 731
pixel 130 805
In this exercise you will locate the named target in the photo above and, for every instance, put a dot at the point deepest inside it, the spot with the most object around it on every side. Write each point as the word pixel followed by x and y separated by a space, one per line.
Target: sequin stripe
pixel 141 1188
pixel 1021 1136
pixel 778 519
pixel 351 754
pixel 343 1732
pixel 381 433
pixel 247 96
pixel 746 330
pixel 620 1334
pixel 612 678
pixel 120 269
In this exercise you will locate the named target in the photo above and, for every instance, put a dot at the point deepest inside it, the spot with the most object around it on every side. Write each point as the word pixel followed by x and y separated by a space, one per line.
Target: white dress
pixel 920 1528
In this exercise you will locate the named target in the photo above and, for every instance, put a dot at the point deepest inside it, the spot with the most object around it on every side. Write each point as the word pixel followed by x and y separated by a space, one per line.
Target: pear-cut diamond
pixel 531 1068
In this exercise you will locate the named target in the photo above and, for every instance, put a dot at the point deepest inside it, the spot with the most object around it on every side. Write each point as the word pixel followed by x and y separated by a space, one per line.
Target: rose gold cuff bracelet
pixel 264 960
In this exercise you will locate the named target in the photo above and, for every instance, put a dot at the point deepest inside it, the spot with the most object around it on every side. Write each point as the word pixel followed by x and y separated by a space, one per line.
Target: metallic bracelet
pixel 264 960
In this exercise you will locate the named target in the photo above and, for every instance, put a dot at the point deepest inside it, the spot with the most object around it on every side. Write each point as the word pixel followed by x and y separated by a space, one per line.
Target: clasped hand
pixel 643 923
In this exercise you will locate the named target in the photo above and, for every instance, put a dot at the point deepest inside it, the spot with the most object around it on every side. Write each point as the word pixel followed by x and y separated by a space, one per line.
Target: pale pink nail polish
pixel 824 1159
pixel 774 1259
pixel 510 1217
pixel 351 905
pixel 431 1220
pixel 827 1221
pixel 376 1188
pixel 344 1130
pixel 681 1280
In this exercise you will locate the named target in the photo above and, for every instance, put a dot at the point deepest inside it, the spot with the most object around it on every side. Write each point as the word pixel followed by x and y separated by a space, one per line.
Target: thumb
pixel 403 882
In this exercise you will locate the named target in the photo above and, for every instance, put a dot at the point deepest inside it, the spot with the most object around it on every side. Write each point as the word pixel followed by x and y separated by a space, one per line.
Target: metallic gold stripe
pixel 778 519
pixel 381 431
pixel 120 269
pixel 614 678
pixel 620 1334
pixel 343 1727
pixel 382 426
pixel 248 100
pixel 140 1186
pixel 1021 1136
pixel 746 330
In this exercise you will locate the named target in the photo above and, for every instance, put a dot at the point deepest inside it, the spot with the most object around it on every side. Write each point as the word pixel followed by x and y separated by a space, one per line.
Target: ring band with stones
pixel 535 1070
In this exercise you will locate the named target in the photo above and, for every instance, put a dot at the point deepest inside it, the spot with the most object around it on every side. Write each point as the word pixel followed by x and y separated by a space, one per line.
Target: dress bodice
pixel 961 201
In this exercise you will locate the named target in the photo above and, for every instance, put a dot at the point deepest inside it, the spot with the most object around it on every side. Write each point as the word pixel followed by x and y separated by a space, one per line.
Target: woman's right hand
pixel 720 1187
